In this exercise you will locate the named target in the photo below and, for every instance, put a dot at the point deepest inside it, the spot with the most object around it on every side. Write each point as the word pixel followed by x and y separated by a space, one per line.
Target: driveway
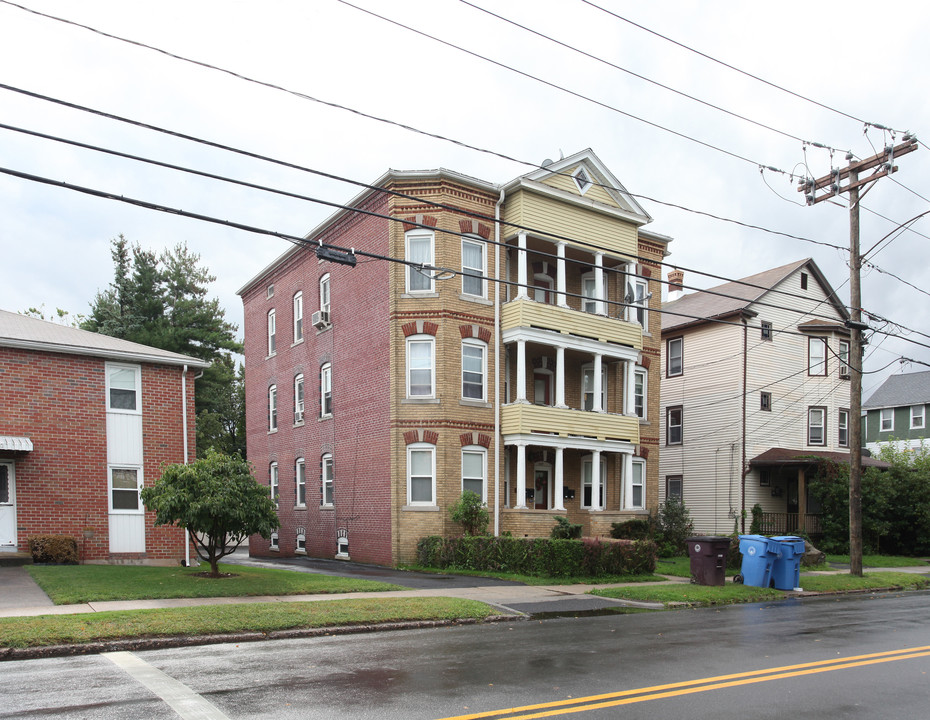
pixel 341 568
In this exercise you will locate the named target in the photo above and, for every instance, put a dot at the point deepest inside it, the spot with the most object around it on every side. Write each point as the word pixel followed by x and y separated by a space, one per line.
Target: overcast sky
pixel 865 60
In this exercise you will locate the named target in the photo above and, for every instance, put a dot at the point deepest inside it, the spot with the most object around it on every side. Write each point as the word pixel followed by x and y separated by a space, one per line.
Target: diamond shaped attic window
pixel 582 180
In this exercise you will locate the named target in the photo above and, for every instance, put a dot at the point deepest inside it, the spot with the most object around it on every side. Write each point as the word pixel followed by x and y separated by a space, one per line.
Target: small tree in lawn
pixel 217 500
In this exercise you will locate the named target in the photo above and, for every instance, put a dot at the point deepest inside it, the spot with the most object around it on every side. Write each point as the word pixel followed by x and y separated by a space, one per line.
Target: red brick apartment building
pixel 86 420
pixel 518 359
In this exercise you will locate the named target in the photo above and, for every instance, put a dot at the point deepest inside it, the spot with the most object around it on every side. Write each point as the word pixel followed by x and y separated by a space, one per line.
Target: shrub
pixel 564 530
pixel 674 527
pixel 635 529
pixel 55 549
pixel 471 513
pixel 755 527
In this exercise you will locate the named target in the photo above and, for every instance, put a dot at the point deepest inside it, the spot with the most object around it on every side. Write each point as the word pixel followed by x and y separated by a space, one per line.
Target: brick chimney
pixel 675 279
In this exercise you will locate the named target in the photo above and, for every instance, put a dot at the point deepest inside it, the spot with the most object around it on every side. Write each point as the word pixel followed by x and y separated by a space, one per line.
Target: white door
pixel 7 505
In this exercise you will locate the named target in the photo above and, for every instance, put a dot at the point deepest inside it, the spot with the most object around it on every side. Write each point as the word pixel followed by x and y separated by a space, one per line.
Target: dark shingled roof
pixel 787 456
pixel 899 390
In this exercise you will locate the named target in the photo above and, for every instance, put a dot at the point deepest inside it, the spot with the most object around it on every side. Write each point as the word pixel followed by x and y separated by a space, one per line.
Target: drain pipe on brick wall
pixel 187 535
pixel 498 364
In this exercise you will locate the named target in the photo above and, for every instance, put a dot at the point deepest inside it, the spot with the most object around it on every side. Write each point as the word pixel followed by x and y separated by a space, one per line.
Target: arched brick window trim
pixel 412 223
pixel 471 226
pixel 475 438
pixel 416 436
pixel 420 327
pixel 475 331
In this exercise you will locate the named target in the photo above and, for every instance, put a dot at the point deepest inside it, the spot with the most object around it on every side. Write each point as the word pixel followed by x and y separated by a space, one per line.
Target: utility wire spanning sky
pixel 864 61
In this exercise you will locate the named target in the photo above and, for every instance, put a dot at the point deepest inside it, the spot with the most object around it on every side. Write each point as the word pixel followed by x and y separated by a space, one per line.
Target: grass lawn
pixel 541 579
pixel 214 619
pixel 69 584
pixel 882 561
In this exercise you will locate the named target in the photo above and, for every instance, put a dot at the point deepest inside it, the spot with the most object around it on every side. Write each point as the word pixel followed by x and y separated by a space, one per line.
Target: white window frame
pixel 274 489
pixel 482 348
pixel 640 465
pixel 590 302
pixel 587 370
pixel 482 454
pixel 298 316
pixel 587 481
pixel 137 387
pixel 327 480
pixel 325 293
pixel 638 289
pixel 842 428
pixel 272 332
pixel 273 542
pixel 680 479
pixel 680 425
pixel 300 482
pixel 582 181
pixel 418 448
pixel 548 289
pixel 472 274
pixel 299 399
pixel 426 341
pixel 643 411
pixel 923 417
pixel 816 361
pixel 137 469
pixel 883 415
pixel 300 541
pixel 272 408
pixel 844 359
pixel 423 280
pixel 669 356
pixel 326 390
pixel 812 425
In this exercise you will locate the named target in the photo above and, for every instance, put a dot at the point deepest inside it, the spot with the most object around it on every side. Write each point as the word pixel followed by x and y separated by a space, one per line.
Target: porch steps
pixel 13 559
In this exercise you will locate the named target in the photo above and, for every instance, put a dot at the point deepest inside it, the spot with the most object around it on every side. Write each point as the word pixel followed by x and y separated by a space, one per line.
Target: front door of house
pixel 541 488
pixel 7 505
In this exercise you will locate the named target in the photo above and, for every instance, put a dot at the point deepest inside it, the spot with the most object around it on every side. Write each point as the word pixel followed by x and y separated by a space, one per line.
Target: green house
pixel 897 412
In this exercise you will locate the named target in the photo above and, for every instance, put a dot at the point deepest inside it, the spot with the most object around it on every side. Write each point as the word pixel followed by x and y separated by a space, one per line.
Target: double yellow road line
pixel 657 692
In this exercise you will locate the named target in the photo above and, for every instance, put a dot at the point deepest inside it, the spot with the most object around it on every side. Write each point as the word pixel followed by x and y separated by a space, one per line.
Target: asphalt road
pixel 845 657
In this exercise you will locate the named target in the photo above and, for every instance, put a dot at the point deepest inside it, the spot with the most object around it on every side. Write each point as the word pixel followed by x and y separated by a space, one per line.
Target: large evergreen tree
pixel 161 300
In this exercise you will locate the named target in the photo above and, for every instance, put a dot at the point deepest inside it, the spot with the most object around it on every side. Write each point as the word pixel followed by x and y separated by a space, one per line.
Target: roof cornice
pixel 124 355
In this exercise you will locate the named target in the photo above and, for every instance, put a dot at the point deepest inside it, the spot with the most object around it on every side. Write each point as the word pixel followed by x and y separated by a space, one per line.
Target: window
pixel 674 487
pixel 273 543
pixel 673 425
pixel 587 482
pixel 804 281
pixel 324 293
pixel 542 387
pixel 273 482
pixel 589 298
pixel 271 333
pixel 272 408
pixel 124 490
pixel 421 474
pixel 765 401
pixel 301 545
pixel 842 424
pixel 674 357
pixel 326 480
pixel 269 291
pixel 298 399
pixel 582 182
pixel 124 388
pixel 298 317
pixel 420 253
pixel 637 485
pixel 474 368
pixel 816 356
pixel 326 390
pixel 587 388
pixel 542 289
pixel 300 478
pixel 844 359
pixel 640 380
pixel 421 369
pixel 917 417
pixel 473 267
pixel 637 292
pixel 887 420
pixel 816 426
pixel 766 330
pixel 474 462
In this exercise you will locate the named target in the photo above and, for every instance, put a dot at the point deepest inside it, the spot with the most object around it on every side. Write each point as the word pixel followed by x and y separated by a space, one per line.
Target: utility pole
pixel 881 164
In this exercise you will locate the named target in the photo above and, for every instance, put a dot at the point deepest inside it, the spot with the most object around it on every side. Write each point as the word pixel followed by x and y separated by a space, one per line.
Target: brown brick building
pixel 513 353
pixel 86 420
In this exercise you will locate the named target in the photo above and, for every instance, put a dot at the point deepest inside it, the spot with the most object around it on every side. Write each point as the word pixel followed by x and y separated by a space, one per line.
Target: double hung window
pixel 298 317
pixel 421 366
pixel 326 390
pixel 298 398
pixel 272 345
pixel 326 489
pixel 816 356
pixel 473 267
pixel 420 255
pixel 673 357
pixel 474 462
pixel 272 408
pixel 817 426
pixel 673 425
pixel 474 369
pixel 300 479
pixel 421 474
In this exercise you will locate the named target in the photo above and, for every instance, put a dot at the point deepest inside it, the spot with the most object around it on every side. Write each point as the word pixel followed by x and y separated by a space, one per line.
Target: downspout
pixel 498 364
pixel 187 534
pixel 743 468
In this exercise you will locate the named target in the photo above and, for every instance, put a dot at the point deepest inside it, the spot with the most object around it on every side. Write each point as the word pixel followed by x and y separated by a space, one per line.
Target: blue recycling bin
pixel 786 570
pixel 759 554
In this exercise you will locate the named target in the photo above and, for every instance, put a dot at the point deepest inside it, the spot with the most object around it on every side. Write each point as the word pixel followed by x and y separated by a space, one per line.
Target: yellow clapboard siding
pixel 527 313
pixel 524 419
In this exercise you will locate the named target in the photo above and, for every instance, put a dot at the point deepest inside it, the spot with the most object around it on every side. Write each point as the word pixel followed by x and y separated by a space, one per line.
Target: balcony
pixel 527 313
pixel 565 422
pixel 776 523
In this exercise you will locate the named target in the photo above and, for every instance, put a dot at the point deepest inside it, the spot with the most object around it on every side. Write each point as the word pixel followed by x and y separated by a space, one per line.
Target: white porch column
pixel 521 475
pixel 521 266
pixel 627 478
pixel 562 286
pixel 629 388
pixel 599 283
pixel 598 384
pixel 521 372
pixel 596 480
pixel 557 501
pixel 560 377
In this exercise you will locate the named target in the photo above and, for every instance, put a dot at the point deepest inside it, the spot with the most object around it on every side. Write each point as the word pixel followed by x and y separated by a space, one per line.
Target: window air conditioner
pixel 320 319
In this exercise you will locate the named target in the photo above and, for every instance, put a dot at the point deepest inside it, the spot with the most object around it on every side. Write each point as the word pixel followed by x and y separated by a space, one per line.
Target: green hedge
pixel 538 556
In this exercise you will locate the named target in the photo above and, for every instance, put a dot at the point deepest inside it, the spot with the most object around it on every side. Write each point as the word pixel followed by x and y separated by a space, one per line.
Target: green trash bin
pixel 708 555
